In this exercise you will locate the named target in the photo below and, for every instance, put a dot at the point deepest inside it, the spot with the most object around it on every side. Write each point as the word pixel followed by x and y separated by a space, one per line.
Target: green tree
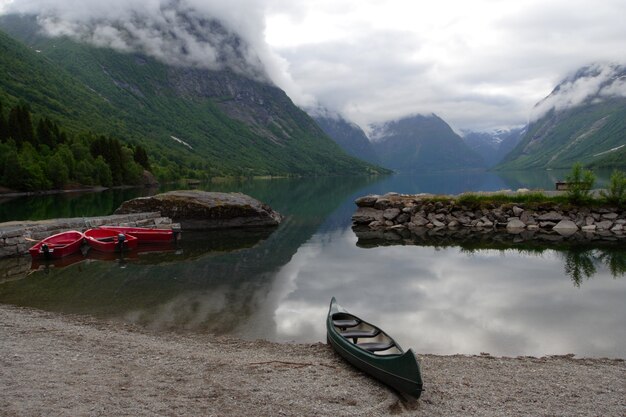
pixel 86 172
pixel 4 128
pixel 31 173
pixel 57 171
pixel 103 172
pixel 45 133
pixel 20 125
pixel 580 182
pixel 141 157
pixel 616 193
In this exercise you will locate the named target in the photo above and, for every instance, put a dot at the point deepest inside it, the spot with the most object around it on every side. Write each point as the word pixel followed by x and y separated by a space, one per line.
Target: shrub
pixel 616 193
pixel 580 181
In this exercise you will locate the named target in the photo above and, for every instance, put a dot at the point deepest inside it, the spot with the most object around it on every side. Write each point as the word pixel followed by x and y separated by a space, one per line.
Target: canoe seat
pixel 346 323
pixel 376 347
pixel 355 334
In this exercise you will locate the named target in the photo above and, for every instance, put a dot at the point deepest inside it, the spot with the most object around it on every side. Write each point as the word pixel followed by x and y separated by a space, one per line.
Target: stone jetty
pixel 16 237
pixel 393 216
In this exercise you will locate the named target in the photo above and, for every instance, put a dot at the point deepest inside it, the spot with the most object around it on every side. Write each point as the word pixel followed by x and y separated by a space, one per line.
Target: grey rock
pixel 565 228
pixel 403 218
pixel 382 203
pixel 589 228
pixel 366 215
pixel 604 225
pixel 610 216
pixel 437 223
pixel 551 216
pixel 391 213
pixel 453 224
pixel 366 201
pixel 195 209
pixel 547 225
pixel 589 220
pixel 377 224
pixel 418 220
pixel 617 228
pixel 517 211
pixel 515 224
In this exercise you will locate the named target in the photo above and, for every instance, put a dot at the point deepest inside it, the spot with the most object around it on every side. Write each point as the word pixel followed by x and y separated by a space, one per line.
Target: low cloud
pixel 594 84
pixel 192 33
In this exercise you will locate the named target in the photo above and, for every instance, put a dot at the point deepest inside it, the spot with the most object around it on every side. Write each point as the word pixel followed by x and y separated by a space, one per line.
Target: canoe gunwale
pixel 398 370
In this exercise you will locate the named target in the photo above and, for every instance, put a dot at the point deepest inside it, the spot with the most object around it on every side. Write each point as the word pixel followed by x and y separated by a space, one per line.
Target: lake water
pixel 276 285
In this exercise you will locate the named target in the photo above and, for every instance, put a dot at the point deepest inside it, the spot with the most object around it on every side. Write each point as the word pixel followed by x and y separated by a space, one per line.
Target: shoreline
pixel 75 365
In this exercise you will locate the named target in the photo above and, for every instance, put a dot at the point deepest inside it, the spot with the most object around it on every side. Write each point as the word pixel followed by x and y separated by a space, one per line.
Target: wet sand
pixel 56 365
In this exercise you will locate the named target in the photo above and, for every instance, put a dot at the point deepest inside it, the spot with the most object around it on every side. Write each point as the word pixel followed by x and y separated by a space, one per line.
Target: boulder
pixel 367 201
pixel 515 225
pixel 552 216
pixel 565 228
pixel 391 213
pixel 201 210
pixel 604 225
pixel 365 215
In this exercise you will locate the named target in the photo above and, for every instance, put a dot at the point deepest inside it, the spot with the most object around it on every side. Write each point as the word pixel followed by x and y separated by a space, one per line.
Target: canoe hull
pixel 399 371
pixel 59 245
pixel 143 234
pixel 109 240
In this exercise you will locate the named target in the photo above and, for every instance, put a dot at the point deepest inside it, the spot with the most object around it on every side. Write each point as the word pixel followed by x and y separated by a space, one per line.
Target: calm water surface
pixel 277 285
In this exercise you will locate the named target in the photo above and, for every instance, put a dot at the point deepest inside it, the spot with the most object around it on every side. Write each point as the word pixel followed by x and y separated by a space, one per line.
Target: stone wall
pixel 418 214
pixel 17 237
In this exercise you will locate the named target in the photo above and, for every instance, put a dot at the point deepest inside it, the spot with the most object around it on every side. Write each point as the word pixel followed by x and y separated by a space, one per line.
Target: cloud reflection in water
pixel 448 301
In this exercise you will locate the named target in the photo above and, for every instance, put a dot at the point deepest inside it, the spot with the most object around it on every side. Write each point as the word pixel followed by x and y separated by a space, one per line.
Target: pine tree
pixel 45 133
pixel 20 126
pixel 4 133
pixel 141 157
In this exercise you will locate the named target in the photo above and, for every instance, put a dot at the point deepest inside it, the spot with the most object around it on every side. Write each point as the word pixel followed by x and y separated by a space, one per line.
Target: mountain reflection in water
pixel 277 286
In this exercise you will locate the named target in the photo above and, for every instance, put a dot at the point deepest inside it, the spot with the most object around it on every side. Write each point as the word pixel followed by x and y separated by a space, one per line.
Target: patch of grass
pixel 527 199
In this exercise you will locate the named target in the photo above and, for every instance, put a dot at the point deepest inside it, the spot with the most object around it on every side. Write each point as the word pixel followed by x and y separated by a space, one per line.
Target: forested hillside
pixel 582 120
pixel 43 156
pixel 192 122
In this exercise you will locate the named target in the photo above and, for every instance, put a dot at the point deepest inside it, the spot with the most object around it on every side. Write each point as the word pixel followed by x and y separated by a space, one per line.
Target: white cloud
pixel 479 65
pixel 597 82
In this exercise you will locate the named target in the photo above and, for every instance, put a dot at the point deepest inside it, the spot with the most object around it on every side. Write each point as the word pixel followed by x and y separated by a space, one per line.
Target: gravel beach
pixel 57 365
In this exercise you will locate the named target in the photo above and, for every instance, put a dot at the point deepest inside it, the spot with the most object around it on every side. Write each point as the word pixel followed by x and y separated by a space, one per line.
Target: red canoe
pixel 110 240
pixel 57 246
pixel 143 234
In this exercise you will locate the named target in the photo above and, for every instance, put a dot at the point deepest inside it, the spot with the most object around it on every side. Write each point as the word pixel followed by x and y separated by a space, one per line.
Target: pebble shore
pixel 78 366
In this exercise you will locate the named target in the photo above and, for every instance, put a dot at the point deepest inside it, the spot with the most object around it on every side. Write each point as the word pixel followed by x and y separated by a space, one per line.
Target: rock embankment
pixel 17 236
pixel 200 210
pixel 421 213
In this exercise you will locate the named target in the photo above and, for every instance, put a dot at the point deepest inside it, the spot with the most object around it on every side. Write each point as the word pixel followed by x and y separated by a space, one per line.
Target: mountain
pixel 422 143
pixel 495 145
pixel 223 121
pixel 346 134
pixel 582 120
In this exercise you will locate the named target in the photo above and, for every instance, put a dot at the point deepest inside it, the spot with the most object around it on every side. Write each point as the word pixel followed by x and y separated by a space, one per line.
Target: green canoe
pixel 373 351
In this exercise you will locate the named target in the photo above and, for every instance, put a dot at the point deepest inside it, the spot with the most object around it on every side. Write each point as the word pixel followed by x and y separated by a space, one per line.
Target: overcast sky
pixel 478 64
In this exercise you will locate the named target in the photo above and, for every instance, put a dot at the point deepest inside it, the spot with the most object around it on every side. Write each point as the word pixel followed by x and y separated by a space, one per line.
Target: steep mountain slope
pixel 493 146
pixel 582 120
pixel 218 120
pixel 346 134
pixel 422 143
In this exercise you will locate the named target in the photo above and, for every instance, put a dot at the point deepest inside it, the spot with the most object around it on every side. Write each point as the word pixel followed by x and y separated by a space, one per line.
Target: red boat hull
pixel 58 246
pixel 109 240
pixel 144 235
